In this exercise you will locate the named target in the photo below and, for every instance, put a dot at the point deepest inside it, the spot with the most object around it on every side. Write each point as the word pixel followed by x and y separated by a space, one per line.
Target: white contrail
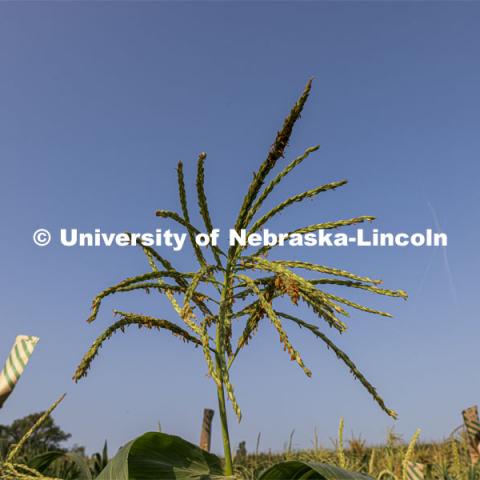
pixel 426 270
pixel 453 290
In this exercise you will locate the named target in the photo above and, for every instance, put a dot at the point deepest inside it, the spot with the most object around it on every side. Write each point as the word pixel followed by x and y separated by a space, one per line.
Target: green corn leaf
pixel 45 460
pixel 157 456
pixel 298 470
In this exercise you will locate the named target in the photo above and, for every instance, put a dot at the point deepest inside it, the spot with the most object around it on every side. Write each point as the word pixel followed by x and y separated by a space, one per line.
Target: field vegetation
pixel 218 306
pixel 447 459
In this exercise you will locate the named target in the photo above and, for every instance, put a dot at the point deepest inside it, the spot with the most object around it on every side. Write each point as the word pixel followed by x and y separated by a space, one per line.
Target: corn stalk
pixel 212 321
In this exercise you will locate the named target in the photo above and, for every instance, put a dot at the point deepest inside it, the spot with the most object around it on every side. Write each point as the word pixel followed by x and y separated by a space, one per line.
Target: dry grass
pixel 446 460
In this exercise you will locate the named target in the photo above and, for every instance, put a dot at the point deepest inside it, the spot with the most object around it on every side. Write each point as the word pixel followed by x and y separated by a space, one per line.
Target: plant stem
pixel 221 364
pixel 226 437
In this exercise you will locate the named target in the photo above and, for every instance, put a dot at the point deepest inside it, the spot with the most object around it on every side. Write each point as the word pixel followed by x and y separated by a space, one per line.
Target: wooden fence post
pixel 472 424
pixel 241 451
pixel 206 434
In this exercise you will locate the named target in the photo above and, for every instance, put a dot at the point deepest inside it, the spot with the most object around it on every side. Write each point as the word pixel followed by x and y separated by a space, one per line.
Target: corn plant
pixel 12 467
pixel 221 305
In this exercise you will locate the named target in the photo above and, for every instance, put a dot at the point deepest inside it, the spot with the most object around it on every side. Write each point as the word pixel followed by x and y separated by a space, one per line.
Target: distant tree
pixel 47 437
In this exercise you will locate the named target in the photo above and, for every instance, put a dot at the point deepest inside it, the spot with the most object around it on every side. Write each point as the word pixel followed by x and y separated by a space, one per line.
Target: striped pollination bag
pixel 415 471
pixel 15 365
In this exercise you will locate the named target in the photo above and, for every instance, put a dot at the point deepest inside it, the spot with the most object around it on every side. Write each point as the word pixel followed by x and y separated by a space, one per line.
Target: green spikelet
pixel 294 355
pixel 127 320
pixel 129 282
pixel 358 306
pixel 152 253
pixel 183 203
pixel 456 463
pixel 205 339
pixel 369 288
pixel 340 448
pixel 316 299
pixel 202 200
pixel 231 394
pixel 371 462
pixel 269 188
pixel 268 265
pixel 276 151
pixel 295 199
pixel 409 454
pixel 190 228
pixel 17 448
pixel 341 355
pixel 319 226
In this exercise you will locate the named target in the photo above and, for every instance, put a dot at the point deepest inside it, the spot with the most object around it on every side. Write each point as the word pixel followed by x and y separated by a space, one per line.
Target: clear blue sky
pixel 98 101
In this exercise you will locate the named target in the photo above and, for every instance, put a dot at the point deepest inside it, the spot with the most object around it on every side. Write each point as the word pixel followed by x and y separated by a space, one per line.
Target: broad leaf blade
pixel 157 456
pixel 296 470
pixel 42 461
pixel 45 460
pixel 117 468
